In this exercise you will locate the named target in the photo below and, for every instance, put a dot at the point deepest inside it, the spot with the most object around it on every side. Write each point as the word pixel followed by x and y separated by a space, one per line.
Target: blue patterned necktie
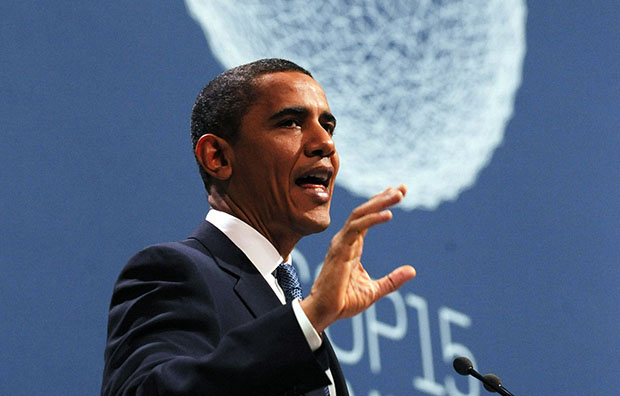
pixel 289 282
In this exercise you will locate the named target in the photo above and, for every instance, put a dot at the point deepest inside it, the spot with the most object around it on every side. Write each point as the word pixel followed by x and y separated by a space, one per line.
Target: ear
pixel 215 155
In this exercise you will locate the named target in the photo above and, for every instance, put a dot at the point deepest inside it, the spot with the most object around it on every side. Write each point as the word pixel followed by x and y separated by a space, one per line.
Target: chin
pixel 315 223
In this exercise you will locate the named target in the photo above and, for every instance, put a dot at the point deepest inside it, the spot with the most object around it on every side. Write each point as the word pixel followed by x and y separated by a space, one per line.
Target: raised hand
pixel 344 288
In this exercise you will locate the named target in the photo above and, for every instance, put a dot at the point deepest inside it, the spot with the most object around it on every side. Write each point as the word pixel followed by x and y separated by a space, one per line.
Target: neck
pixel 283 240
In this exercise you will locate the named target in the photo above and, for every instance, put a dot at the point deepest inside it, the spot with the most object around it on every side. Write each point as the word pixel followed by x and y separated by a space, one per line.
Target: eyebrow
pixel 301 112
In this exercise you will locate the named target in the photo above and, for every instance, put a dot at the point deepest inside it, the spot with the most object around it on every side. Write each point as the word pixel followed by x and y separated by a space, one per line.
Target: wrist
pixel 317 316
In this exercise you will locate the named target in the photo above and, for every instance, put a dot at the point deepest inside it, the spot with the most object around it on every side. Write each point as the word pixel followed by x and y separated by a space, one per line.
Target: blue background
pixel 96 163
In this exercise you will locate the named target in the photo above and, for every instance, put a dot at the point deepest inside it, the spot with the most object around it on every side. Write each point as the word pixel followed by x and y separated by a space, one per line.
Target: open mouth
pixel 315 178
pixel 312 181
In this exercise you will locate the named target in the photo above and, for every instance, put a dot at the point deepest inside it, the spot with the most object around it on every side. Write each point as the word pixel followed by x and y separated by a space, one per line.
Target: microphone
pixel 491 382
pixel 494 379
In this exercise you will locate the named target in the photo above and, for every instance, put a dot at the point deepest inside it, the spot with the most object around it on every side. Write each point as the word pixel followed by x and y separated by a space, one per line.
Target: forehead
pixel 283 89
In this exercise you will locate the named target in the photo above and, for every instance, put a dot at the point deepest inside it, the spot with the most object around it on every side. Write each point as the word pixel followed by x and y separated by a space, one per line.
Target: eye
pixel 289 123
pixel 329 127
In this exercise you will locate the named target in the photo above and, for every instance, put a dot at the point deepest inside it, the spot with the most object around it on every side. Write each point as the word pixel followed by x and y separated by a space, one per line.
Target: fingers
pixel 389 197
pixel 372 212
pixel 362 224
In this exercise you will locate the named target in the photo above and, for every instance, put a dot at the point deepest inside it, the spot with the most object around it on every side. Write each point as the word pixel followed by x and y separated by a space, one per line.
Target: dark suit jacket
pixel 196 318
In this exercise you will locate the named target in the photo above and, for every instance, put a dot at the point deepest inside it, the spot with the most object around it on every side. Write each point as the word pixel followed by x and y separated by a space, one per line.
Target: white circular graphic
pixel 422 89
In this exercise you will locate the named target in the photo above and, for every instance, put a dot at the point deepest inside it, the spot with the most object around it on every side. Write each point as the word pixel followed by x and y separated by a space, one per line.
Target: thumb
pixel 394 280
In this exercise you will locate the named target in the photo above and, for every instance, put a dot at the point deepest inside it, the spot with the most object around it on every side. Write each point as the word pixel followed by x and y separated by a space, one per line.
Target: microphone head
pixel 494 379
pixel 462 365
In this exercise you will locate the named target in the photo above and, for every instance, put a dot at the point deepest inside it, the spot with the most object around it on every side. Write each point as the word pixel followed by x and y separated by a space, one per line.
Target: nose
pixel 319 142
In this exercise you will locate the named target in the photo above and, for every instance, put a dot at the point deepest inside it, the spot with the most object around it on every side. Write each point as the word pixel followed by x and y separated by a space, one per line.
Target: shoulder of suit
pixel 171 259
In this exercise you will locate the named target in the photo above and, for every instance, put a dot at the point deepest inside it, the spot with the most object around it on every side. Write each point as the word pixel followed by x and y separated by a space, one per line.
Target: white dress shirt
pixel 264 256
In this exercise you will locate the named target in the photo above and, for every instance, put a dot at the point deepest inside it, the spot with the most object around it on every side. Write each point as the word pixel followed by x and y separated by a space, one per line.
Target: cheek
pixel 336 165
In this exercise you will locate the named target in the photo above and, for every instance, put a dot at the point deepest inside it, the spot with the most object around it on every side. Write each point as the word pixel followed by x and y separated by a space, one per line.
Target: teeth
pixel 317 177
pixel 321 177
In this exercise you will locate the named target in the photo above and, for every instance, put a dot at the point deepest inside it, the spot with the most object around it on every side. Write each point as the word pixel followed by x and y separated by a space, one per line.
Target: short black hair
pixel 222 104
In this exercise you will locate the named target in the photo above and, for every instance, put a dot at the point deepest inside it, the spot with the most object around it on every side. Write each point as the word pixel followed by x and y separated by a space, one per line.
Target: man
pixel 206 316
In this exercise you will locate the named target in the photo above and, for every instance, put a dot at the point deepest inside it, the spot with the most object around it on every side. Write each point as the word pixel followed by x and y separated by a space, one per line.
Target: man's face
pixel 285 161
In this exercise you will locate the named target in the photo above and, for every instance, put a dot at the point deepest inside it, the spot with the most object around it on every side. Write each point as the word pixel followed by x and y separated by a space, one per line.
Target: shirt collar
pixel 252 243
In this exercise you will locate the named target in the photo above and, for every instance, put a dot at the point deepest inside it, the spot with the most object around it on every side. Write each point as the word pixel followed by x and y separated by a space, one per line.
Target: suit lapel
pixel 251 287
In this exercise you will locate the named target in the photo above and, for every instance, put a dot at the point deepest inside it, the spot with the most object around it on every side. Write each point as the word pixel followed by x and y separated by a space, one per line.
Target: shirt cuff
pixel 313 338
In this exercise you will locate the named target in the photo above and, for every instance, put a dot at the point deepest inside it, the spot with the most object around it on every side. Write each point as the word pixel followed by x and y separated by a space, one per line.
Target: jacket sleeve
pixel 164 337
